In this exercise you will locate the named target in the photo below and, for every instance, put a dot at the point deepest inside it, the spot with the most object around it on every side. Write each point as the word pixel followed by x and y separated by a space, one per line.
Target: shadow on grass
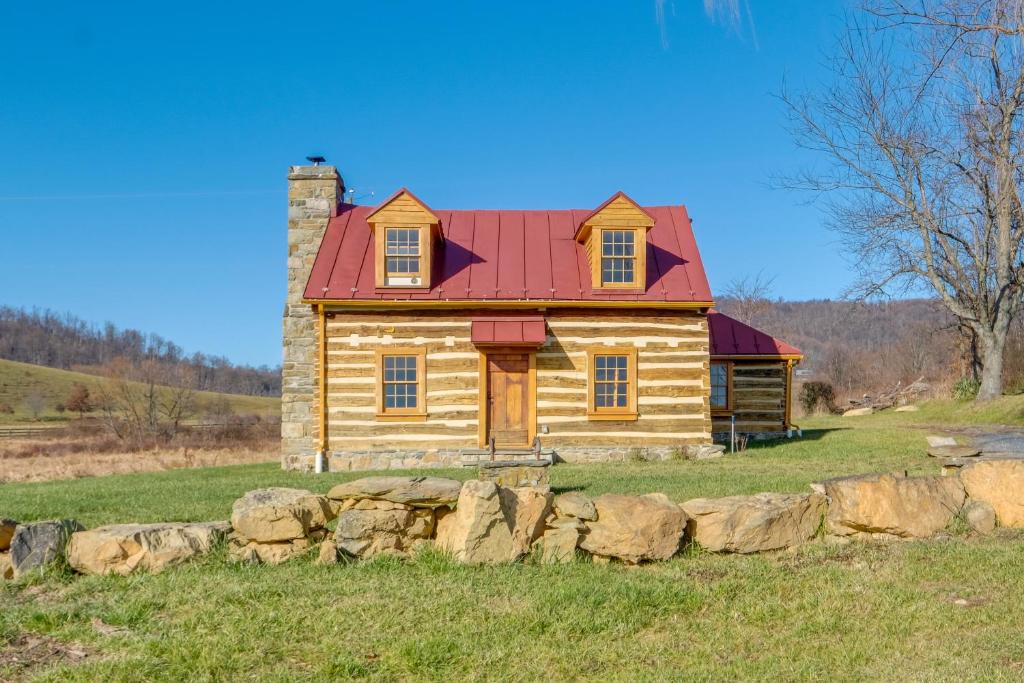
pixel 558 490
pixel 808 435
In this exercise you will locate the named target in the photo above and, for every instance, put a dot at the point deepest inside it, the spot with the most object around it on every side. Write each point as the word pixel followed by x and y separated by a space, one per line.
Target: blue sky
pixel 144 148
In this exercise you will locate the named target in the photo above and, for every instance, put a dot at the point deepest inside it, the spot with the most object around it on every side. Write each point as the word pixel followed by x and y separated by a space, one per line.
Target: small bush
pixel 79 400
pixel 6 409
pixel 815 396
pixel 966 389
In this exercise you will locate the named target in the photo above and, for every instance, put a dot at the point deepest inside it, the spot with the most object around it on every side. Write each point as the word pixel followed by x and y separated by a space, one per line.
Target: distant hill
pixel 860 347
pixel 67 342
pixel 25 387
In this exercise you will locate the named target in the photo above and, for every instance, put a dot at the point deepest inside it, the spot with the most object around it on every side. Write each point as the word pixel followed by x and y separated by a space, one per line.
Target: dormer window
pixel 402 256
pixel 406 232
pixel 615 237
pixel 618 257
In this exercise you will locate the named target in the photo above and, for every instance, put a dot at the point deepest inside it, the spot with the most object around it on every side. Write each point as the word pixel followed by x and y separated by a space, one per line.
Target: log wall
pixel 672 359
pixel 759 398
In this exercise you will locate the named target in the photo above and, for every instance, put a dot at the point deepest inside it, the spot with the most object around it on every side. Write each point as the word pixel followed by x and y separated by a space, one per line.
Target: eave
pixel 507 303
pixel 758 356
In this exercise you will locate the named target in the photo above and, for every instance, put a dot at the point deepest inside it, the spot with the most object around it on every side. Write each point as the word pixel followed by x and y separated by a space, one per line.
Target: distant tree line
pixel 861 347
pixel 44 337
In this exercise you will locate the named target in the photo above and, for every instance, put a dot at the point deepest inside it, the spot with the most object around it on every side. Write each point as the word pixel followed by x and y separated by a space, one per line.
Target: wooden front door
pixel 508 399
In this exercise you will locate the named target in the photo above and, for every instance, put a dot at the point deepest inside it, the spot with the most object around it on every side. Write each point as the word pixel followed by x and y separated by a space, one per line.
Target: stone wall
pixel 314 193
pixel 499 519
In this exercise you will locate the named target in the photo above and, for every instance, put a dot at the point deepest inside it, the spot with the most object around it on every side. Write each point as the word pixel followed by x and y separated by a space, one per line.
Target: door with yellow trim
pixel 508 395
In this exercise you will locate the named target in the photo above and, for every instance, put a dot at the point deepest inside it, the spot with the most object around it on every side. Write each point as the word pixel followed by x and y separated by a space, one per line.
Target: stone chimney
pixel 314 193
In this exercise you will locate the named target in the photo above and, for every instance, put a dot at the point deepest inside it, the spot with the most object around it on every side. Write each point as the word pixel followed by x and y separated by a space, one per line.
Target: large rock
pixel 7 527
pixel 558 544
pixel 752 524
pixel 328 552
pixel 940 441
pixel 124 548
pixel 6 567
pixel 36 546
pixel 525 510
pixel 516 474
pixel 478 531
pixel 415 491
pixel 279 514
pixel 954 451
pixel 1000 483
pixel 635 528
pixel 980 517
pixel 908 507
pixel 576 505
pixel 377 527
pixel 244 550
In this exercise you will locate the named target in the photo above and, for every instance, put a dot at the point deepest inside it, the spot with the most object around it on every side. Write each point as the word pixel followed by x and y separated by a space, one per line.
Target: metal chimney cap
pixel 316 159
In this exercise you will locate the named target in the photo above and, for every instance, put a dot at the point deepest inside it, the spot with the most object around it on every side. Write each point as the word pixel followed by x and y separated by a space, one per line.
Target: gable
pixel 617 212
pixel 403 208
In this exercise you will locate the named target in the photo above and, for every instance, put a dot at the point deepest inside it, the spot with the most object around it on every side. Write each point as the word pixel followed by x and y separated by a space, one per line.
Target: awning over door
pixel 521 330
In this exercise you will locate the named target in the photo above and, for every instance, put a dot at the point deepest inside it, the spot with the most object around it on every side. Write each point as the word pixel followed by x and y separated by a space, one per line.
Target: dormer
pixel 405 233
pixel 615 236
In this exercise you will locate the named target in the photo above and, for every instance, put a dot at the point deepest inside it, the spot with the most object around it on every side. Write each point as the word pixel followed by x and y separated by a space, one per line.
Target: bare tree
pixel 751 296
pixel 143 402
pixel 922 141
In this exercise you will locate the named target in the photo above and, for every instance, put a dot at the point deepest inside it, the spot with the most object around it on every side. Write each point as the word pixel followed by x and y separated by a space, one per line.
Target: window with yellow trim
pixel 612 384
pixel 618 257
pixel 400 383
pixel 721 386
pixel 402 256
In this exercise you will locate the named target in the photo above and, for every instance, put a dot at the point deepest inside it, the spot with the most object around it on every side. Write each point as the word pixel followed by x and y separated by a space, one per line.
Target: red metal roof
pixel 730 337
pixel 509 330
pixel 510 255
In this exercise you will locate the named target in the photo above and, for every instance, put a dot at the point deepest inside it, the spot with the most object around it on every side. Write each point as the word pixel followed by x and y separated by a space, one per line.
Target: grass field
pixel 929 610
pixel 19 381
pixel 1007 410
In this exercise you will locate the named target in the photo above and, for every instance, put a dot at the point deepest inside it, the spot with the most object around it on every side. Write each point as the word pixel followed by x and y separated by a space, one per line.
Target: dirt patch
pixel 28 654
pixel 40 594
pixel 706 574
pixel 965 600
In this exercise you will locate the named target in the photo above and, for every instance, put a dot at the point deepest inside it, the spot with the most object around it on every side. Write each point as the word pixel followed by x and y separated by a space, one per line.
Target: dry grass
pixel 75 457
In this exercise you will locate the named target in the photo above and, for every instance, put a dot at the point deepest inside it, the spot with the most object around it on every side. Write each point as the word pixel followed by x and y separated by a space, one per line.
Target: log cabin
pixel 421 337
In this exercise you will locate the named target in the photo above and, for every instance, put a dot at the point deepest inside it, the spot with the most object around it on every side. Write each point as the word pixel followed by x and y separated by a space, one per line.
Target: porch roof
pixel 522 330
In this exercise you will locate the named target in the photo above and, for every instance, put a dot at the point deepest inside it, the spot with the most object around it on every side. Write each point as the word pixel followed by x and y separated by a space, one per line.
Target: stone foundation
pixel 355 461
pixel 723 437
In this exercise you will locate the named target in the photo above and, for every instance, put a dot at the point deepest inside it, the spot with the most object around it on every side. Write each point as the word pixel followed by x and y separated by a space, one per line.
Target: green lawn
pixel 929 610
pixel 1007 410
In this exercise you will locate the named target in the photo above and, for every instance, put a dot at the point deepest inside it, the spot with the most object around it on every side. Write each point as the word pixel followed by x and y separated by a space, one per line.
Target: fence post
pixel 732 433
